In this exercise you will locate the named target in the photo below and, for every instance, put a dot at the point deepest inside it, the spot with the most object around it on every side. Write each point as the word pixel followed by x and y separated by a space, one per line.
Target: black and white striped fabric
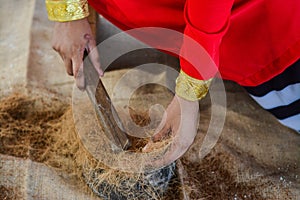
pixel 281 96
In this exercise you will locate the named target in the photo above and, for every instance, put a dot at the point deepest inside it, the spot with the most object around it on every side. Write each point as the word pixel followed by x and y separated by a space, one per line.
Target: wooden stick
pixel 93 19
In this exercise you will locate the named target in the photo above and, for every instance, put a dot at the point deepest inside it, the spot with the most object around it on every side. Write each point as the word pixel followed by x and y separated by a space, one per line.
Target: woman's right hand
pixel 70 40
pixel 180 120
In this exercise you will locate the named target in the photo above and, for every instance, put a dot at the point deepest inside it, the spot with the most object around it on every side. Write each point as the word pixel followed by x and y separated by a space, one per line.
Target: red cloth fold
pixel 250 41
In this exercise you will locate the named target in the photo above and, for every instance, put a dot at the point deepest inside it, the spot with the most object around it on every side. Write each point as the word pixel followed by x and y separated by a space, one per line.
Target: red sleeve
pixel 206 22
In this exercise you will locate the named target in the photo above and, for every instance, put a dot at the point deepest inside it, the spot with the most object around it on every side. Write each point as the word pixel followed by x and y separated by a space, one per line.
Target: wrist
pixel 191 89
pixel 67 10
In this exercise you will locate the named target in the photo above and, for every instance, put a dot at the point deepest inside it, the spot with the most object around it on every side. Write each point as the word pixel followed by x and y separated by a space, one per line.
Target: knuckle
pixel 77 48
pixel 92 42
pixel 54 47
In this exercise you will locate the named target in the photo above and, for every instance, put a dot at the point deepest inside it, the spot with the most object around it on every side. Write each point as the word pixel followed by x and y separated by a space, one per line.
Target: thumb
pixel 162 133
pixel 79 78
pixel 159 136
pixel 162 130
pixel 78 71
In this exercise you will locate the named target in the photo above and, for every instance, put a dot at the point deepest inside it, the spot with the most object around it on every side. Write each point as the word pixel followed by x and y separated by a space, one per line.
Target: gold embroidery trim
pixel 67 10
pixel 190 88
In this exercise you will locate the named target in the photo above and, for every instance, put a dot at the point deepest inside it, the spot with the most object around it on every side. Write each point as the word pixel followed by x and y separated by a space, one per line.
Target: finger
pixel 94 56
pixel 162 129
pixel 162 134
pixel 78 71
pixel 55 48
pixel 67 63
pixel 174 152
pixel 154 146
pixel 183 139
pixel 68 66
pixel 179 145
pixel 55 45
pixel 148 147
pixel 79 79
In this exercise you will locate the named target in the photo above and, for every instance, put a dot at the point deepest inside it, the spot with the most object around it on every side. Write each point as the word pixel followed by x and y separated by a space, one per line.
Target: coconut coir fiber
pixel 43 131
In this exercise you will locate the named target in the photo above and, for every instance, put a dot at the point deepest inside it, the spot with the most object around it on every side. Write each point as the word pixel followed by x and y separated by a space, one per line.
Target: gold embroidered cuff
pixel 67 10
pixel 190 88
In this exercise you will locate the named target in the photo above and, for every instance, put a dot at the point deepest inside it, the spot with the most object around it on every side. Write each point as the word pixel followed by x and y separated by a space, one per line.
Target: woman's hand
pixel 70 40
pixel 181 121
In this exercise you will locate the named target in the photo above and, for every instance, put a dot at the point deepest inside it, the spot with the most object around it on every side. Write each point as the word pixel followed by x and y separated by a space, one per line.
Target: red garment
pixel 250 41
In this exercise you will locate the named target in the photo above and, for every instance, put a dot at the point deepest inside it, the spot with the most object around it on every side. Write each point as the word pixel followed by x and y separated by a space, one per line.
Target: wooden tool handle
pixel 93 19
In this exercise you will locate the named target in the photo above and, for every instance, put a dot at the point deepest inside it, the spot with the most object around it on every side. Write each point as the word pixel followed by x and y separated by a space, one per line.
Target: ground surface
pixel 255 157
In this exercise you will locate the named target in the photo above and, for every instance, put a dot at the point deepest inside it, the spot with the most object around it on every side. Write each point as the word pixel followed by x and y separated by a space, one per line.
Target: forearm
pixel 206 23
pixel 67 10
